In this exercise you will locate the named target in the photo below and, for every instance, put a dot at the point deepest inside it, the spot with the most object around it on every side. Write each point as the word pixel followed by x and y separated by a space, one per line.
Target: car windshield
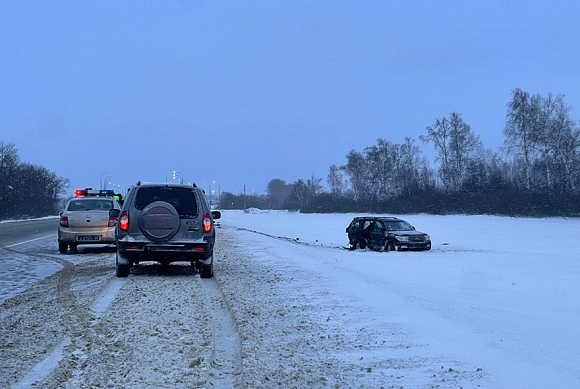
pixel 397 225
pixel 183 199
pixel 90 205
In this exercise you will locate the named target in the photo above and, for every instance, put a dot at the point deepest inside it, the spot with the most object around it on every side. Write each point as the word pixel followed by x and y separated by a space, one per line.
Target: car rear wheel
pixel 62 248
pixel 122 270
pixel 390 246
pixel 206 271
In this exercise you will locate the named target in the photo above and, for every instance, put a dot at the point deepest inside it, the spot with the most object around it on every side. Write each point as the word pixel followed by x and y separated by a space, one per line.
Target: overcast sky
pixel 241 92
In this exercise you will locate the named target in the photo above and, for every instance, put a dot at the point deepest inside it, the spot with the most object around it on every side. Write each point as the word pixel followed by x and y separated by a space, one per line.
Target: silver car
pixel 86 220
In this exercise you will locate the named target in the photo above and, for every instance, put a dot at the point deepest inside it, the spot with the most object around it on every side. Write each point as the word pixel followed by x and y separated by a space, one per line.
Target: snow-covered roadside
pixel 496 297
pixel 299 330
pixel 471 313
pixel 37 218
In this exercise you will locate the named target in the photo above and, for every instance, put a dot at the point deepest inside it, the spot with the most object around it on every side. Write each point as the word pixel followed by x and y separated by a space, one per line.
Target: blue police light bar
pixel 107 192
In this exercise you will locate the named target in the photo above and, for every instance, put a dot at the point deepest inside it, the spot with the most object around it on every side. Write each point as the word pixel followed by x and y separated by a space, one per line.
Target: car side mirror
pixel 216 214
pixel 114 212
pixel 413 227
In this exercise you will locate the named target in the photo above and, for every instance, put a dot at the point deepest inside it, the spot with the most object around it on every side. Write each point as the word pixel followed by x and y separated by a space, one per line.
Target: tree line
pixel 535 173
pixel 27 190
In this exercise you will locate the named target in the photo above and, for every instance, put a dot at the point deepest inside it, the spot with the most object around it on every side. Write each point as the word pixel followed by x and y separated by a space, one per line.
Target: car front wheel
pixel 390 246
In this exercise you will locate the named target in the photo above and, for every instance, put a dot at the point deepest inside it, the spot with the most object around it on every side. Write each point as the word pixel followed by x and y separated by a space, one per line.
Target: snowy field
pixel 501 295
pixel 495 304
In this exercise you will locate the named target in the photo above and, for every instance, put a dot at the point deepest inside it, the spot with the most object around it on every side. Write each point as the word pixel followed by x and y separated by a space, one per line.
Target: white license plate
pixel 89 237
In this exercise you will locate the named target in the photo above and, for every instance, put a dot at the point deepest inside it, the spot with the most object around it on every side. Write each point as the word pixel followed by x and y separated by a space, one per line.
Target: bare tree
pixel 521 129
pixel 335 181
pixel 9 162
pixel 25 188
pixel 455 144
pixel 559 141
pixel 359 173
pixel 539 131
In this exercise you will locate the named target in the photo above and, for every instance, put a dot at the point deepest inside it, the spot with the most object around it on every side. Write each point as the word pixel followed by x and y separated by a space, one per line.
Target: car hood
pixel 407 232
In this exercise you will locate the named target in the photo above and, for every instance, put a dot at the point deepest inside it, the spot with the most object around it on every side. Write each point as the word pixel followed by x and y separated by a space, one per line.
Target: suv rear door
pixel 183 200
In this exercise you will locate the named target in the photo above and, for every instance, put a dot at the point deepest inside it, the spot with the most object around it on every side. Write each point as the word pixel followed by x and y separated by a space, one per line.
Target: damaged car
pixel 386 234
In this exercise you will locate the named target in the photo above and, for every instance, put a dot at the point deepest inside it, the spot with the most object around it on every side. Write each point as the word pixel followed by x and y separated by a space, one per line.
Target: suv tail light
pixel 206 222
pixel 123 221
pixel 112 221
pixel 64 221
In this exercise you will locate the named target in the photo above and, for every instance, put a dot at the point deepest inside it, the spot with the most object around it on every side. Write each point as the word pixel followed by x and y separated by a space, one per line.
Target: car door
pixel 377 234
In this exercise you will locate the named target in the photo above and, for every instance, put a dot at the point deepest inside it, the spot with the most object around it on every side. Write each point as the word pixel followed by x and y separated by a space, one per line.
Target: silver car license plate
pixel 89 238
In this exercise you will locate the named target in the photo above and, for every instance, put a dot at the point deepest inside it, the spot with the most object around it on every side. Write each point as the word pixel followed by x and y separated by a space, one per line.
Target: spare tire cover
pixel 159 221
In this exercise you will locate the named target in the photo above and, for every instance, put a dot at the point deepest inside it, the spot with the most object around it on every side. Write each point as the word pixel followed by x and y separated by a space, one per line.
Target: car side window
pixel 378 226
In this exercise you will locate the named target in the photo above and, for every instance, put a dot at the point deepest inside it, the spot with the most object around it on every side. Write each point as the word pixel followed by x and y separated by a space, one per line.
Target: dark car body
pixel 165 223
pixel 385 234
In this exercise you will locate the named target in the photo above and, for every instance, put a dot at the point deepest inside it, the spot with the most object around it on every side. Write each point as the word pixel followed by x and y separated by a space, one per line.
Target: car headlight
pixel 402 238
pixel 427 237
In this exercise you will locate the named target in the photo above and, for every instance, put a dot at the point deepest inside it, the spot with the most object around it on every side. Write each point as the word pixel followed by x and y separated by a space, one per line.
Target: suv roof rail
pixel 138 183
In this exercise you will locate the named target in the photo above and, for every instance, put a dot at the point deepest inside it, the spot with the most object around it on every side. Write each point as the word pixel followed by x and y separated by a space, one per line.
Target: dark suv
pixel 165 223
pixel 385 234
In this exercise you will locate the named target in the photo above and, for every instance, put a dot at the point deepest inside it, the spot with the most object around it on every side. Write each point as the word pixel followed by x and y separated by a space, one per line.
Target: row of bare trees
pixel 27 189
pixel 544 141
pixel 536 172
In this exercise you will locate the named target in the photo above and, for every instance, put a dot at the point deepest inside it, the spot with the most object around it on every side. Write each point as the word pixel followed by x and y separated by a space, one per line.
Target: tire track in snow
pixel 226 360
pixel 290 240
pixel 81 324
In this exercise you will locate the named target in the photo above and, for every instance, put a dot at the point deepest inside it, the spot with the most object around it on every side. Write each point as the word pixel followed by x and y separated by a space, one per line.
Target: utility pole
pixel 209 182
pixel 244 198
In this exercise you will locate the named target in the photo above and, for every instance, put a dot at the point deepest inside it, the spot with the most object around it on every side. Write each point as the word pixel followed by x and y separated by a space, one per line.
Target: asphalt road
pixel 12 233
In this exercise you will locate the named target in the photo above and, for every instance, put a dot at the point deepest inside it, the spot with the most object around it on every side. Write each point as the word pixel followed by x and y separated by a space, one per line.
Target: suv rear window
pixel 183 199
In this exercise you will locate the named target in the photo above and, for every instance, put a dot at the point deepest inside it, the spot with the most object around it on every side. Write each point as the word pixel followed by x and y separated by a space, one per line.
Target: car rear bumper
pixel 86 237
pixel 187 251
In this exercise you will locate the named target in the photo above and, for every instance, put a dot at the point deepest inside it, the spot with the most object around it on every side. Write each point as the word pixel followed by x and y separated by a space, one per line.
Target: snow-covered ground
pixel 494 304
pixel 497 297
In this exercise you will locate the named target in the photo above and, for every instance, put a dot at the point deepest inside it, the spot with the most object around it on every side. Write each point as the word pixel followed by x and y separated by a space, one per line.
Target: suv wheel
pixel 122 270
pixel 390 246
pixel 206 271
pixel 62 248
